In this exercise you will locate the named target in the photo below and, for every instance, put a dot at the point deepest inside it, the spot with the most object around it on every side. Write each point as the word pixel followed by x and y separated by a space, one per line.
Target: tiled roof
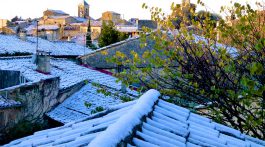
pixel 60 17
pixel 7 103
pixel 74 107
pixel 48 27
pixel 81 19
pixel 149 122
pixel 77 133
pixel 58 11
pixel 112 12
pixel 11 44
pixel 69 72
pixel 85 3
pixel 96 23
pixel 147 23
pixel 127 29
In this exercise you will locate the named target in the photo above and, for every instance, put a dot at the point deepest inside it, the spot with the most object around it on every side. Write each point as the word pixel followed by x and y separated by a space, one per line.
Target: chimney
pixel 137 22
pixel 23 35
pixel 43 62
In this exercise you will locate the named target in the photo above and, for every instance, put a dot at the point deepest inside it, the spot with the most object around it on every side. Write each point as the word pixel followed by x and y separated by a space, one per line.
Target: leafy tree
pixel 123 36
pixel 198 71
pixel 16 18
pixel 202 15
pixel 110 35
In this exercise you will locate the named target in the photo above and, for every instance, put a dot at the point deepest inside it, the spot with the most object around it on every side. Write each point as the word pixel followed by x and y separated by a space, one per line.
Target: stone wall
pixel 36 99
pixel 10 78
pixel 66 93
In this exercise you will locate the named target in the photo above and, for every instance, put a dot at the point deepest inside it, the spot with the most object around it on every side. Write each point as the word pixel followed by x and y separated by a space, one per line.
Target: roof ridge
pixel 110 46
pixel 124 126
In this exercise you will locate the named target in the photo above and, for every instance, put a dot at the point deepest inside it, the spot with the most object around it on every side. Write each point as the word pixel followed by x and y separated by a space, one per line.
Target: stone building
pixel 96 27
pixel 83 9
pixel 50 12
pixel 131 30
pixel 111 16
pixel 58 20
pixel 3 23
pixel 50 32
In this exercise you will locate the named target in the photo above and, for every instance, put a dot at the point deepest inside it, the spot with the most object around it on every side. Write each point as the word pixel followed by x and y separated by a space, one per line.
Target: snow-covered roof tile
pixel 59 17
pixel 140 124
pixel 74 107
pixel 58 11
pixel 11 44
pixel 48 27
pixel 7 103
pixel 69 72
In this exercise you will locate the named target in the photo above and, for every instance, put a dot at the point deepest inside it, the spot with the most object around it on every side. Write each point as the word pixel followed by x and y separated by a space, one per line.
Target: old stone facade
pixel 50 12
pixel 111 16
pixel 36 99
pixel 83 10
pixel 3 23
pixel 49 32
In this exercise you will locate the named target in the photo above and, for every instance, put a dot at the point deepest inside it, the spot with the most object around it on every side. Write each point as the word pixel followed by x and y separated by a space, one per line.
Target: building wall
pixel 51 35
pixel 36 98
pixel 10 78
pixel 3 23
pixel 95 32
pixel 83 29
pixel 58 21
pixel 70 33
pixel 83 11
pixel 110 16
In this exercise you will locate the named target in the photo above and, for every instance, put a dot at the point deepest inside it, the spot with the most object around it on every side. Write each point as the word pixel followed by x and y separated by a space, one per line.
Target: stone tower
pixel 185 2
pixel 83 9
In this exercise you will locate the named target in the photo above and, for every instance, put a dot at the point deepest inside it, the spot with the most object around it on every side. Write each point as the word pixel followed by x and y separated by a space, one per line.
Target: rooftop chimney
pixel 23 35
pixel 43 62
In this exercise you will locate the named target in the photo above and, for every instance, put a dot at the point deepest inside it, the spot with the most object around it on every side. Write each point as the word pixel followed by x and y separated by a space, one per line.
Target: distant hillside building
pixel 83 9
pixel 111 16
pixel 57 20
pixel 49 32
pixel 3 23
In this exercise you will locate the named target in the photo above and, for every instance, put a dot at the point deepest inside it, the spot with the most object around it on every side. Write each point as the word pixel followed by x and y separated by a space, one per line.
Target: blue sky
pixel 128 8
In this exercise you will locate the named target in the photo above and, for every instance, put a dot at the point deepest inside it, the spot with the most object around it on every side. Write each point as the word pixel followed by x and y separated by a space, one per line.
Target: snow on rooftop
pixel 166 125
pixel 11 44
pixel 7 103
pixel 78 133
pixel 127 29
pixel 59 17
pixel 69 72
pixel 74 108
pixel 58 11
pixel 48 27
pixel 125 124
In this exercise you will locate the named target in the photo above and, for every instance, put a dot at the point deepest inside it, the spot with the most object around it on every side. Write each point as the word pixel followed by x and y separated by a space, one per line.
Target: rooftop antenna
pixel 37 48
pixel 34 56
